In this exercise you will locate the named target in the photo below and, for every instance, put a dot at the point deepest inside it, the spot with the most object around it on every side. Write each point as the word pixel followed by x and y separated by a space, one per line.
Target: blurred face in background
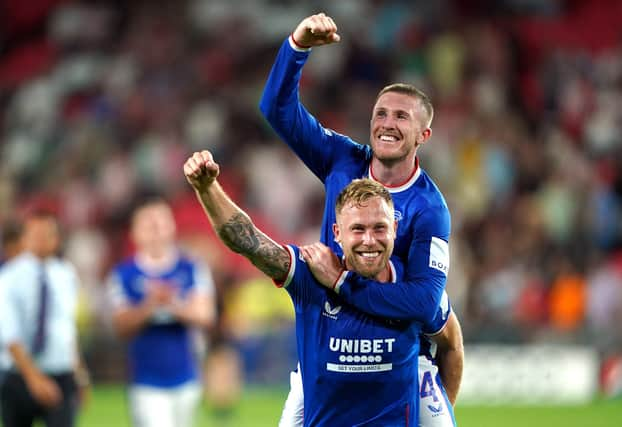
pixel 366 233
pixel 153 228
pixel 41 236
pixel 398 126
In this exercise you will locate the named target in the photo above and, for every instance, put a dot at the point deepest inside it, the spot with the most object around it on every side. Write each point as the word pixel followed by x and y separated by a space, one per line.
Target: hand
pixel 323 263
pixel 201 170
pixel 160 293
pixel 316 30
pixel 83 381
pixel 84 395
pixel 44 390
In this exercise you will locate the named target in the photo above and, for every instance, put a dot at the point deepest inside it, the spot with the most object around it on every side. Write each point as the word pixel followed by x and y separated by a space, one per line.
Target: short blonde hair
pixel 360 191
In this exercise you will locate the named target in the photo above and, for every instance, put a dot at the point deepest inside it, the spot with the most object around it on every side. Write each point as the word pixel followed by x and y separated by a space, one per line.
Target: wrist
pixel 298 44
pixel 82 378
pixel 32 376
pixel 339 280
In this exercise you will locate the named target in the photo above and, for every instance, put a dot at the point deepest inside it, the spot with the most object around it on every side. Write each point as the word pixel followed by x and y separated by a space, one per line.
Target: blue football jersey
pixel 420 209
pixel 163 353
pixel 348 358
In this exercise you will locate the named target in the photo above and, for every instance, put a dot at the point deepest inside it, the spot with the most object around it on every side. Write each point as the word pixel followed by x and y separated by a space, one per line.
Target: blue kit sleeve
pixel 318 147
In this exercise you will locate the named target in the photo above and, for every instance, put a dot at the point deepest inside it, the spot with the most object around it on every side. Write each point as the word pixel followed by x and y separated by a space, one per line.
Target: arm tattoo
pixel 241 236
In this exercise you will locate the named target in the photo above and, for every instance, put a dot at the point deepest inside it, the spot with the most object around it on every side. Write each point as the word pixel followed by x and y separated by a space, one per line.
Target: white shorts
pixel 164 407
pixel 434 407
pixel 294 408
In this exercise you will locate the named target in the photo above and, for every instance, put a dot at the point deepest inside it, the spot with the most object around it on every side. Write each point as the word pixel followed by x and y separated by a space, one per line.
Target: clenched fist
pixel 316 30
pixel 201 170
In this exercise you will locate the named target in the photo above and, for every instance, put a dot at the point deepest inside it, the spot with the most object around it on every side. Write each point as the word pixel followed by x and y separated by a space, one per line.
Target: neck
pixel 393 174
pixel 42 256
pixel 157 258
pixel 383 276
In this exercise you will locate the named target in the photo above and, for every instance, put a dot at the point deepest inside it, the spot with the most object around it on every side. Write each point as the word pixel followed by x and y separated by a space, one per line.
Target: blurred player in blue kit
pixel 162 301
pixel 357 368
pixel 400 124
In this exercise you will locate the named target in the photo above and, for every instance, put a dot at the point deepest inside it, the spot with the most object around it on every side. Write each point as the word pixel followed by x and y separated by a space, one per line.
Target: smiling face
pixel 400 123
pixel 366 231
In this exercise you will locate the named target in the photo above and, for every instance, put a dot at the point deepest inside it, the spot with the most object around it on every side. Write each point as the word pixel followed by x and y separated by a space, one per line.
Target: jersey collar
pixel 400 187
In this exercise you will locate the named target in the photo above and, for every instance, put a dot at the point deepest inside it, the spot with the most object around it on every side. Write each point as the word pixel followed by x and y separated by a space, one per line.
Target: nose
pixel 388 122
pixel 368 238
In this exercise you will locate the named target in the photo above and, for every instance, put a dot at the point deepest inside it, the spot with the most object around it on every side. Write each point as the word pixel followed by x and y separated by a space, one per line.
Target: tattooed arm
pixel 233 225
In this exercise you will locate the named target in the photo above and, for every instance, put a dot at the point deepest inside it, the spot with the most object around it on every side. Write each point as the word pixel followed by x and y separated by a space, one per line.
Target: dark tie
pixel 39 340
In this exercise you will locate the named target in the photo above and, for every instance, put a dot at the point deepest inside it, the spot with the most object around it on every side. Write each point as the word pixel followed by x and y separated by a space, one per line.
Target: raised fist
pixel 201 170
pixel 316 30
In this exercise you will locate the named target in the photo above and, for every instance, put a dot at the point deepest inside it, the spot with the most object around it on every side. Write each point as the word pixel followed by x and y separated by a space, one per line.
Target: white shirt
pixel 19 306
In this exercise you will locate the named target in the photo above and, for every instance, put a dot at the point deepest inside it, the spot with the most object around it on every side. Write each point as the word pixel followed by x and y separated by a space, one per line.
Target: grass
pixel 261 407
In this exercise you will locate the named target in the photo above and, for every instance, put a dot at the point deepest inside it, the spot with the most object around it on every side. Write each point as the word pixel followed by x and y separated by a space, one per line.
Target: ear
pixel 425 135
pixel 337 233
pixel 395 228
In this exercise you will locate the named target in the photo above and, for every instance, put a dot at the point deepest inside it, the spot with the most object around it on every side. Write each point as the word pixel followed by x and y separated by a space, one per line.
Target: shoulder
pixel 350 148
pixel 63 264
pixel 125 266
pixel 299 270
pixel 185 261
pixel 429 191
pixel 430 200
pixel 63 270
pixel 21 264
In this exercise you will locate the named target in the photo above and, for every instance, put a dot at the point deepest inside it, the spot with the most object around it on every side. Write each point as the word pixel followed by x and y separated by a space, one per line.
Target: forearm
pixel 298 128
pixel 280 95
pixel 237 231
pixel 450 356
pixel 415 299
pixel 23 362
pixel 81 372
pixel 197 312
pixel 450 363
pixel 129 321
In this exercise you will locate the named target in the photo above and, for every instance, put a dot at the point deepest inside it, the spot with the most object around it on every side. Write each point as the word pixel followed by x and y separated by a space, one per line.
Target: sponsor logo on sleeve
pixel 439 255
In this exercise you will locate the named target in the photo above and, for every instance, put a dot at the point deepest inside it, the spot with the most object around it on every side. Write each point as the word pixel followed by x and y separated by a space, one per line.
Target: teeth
pixel 369 254
pixel 388 138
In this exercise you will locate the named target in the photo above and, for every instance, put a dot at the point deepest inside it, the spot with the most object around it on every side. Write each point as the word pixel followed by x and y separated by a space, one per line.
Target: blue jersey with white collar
pixel 422 214
pixel 163 354
pixel 348 357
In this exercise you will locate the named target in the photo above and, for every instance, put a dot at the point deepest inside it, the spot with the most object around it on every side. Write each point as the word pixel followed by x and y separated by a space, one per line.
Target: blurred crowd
pixel 101 102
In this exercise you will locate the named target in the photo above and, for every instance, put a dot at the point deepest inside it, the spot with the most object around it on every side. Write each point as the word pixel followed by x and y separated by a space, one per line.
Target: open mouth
pixel 388 138
pixel 369 255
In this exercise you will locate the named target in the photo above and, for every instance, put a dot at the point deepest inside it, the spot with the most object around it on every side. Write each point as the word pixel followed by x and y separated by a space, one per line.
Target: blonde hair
pixel 359 191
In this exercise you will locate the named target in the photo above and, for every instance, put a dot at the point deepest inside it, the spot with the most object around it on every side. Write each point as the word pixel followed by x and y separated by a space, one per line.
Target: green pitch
pixel 262 407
